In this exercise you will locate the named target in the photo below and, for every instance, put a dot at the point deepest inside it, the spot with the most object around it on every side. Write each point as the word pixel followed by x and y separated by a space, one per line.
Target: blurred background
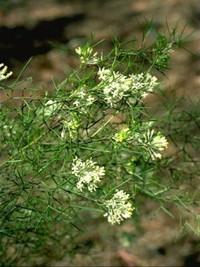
pixel 45 33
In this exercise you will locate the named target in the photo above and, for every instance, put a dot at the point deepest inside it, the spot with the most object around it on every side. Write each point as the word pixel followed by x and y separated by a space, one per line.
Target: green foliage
pixel 91 146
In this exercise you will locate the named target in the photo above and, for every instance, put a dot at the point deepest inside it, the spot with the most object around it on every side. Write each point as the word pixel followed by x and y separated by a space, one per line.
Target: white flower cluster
pixel 3 74
pixel 83 99
pixel 88 173
pixel 118 86
pixel 119 208
pixel 145 83
pixel 87 56
pixel 154 143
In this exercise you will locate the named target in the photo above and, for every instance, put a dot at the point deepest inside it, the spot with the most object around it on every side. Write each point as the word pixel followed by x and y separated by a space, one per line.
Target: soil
pixel 34 29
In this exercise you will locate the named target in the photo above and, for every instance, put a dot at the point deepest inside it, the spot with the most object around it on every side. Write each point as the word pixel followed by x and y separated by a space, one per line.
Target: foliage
pixel 91 145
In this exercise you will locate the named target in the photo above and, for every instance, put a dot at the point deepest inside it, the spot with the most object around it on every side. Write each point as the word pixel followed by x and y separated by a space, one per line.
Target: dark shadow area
pixel 22 43
pixel 192 260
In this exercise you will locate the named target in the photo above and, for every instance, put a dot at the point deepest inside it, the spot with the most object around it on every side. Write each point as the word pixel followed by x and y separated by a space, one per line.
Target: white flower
pixel 83 99
pixel 116 86
pixel 88 173
pixel 104 74
pixel 119 208
pixel 86 55
pixel 145 83
pixel 154 143
pixel 3 70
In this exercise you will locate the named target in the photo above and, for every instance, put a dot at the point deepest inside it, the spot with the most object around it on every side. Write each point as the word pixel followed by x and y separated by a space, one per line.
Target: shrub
pixel 91 145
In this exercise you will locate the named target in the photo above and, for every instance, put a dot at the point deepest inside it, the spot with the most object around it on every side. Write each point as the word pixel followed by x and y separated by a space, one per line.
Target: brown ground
pixel 26 28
